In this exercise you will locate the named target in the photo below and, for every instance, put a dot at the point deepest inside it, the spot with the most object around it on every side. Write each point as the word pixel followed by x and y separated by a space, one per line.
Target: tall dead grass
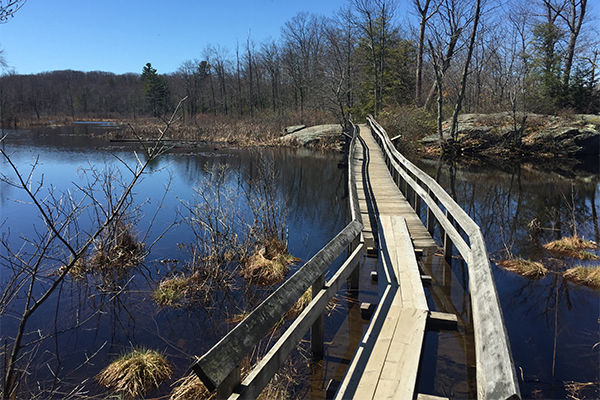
pixel 527 268
pixel 574 247
pixel 136 373
pixel 587 276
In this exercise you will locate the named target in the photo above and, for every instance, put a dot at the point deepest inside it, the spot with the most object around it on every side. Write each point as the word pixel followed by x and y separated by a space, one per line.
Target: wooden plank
pixel 496 375
pixel 399 375
pixel 437 321
pixel 387 361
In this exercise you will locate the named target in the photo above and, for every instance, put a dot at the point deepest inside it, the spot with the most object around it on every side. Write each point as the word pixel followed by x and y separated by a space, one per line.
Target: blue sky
pixel 123 35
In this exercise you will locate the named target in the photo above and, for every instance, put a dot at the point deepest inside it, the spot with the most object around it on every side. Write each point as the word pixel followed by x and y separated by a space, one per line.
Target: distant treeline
pixel 535 57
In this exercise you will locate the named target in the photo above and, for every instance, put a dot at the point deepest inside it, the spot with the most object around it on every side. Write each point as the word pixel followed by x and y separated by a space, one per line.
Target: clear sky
pixel 123 35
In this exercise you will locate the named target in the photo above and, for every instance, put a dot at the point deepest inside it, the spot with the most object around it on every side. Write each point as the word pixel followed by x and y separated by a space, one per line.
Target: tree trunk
pixel 463 83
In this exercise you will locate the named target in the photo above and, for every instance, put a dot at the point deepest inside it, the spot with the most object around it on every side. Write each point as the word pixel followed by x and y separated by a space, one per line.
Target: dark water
pixel 310 185
pixel 553 325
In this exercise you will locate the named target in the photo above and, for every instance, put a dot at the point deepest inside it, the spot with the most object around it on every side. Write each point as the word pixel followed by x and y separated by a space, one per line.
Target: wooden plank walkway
pixel 379 195
pixel 387 360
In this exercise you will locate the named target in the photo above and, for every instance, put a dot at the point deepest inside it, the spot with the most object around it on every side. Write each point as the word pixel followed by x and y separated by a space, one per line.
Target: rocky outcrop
pixel 570 136
pixel 312 136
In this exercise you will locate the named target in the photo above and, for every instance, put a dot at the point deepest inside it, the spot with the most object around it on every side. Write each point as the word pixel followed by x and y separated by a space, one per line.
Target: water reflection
pixel 553 324
pixel 88 322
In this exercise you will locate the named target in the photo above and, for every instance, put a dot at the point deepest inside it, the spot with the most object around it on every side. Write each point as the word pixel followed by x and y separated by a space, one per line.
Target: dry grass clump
pixel 119 252
pixel 573 246
pixel 269 264
pixel 191 387
pixel 135 373
pixel 179 290
pixel 574 389
pixel 587 276
pixel 526 268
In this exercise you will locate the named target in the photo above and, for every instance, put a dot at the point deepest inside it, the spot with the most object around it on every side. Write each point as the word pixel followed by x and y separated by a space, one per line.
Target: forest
pixel 450 56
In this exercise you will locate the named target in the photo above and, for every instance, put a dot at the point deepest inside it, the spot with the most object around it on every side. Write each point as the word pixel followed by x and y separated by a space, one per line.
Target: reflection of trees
pixel 518 207
pixel 550 320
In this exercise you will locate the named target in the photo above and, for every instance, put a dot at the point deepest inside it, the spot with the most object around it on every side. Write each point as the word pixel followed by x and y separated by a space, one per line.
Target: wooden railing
pixel 219 368
pixel 495 371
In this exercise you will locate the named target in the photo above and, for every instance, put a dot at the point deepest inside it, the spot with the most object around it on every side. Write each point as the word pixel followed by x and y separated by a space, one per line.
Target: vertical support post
pixel 354 278
pixel 430 216
pixel 417 200
pixel 448 242
pixel 317 331
pixel 233 380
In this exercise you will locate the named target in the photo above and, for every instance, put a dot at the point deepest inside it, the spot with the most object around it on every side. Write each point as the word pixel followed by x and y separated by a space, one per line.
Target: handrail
pixel 219 367
pixel 495 371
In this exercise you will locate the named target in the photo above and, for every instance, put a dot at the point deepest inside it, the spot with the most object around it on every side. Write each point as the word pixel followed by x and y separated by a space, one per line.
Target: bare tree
pixel 40 266
pixel 8 8
pixel 463 83
pixel 422 8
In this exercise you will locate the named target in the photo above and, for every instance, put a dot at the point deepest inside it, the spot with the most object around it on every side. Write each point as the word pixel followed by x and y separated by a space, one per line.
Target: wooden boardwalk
pixel 386 364
pixel 378 194
pixel 388 358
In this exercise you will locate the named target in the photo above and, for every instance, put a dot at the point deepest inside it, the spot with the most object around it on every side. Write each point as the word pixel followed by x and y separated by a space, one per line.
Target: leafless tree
pixel 423 8
pixel 8 8
pixel 39 267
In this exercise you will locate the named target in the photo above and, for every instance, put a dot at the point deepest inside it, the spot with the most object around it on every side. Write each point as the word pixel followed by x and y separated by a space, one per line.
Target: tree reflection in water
pixel 552 323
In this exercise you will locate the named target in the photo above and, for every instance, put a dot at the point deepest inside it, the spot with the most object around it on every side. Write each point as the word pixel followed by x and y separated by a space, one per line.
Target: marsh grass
pixel 299 305
pixel 117 253
pixel 527 268
pixel 574 247
pixel 136 373
pixel 574 389
pixel 587 276
pixel 190 387
pixel 269 264
pixel 171 291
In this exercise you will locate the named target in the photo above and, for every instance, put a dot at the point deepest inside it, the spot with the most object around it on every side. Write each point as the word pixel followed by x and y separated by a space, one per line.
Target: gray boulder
pixel 311 135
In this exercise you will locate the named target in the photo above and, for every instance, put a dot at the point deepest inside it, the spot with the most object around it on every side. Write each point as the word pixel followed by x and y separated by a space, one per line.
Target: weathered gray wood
pixel 262 373
pixel 437 321
pixel 496 375
pixel 367 310
pixel 214 366
pixel 421 396
pixel 317 330
pixel 229 384
pixel 387 361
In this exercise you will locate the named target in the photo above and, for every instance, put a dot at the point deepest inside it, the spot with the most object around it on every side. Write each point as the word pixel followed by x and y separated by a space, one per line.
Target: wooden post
pixel 430 216
pixel 317 331
pixel 226 388
pixel 417 201
pixel 448 242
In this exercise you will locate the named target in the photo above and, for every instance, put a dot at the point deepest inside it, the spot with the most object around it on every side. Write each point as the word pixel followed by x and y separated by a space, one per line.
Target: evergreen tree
pixel 155 90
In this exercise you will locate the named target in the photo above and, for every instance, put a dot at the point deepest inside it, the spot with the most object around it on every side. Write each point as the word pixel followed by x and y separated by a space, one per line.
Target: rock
pixel 293 128
pixel 312 135
pixel 558 135
pixel 588 142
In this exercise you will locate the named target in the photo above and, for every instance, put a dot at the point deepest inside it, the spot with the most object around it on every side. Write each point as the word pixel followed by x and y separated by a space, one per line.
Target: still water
pixel 553 325
pixel 111 320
